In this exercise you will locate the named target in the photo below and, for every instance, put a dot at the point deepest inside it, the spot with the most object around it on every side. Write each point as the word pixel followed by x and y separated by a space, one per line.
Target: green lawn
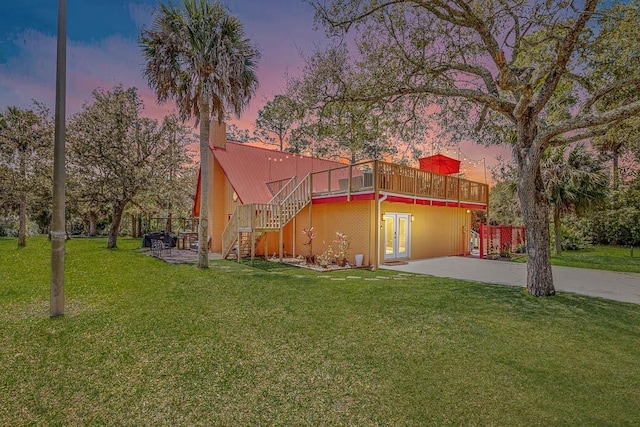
pixel 147 343
pixel 614 258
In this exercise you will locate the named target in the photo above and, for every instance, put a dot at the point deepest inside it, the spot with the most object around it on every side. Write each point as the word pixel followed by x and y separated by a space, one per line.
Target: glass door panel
pixel 389 236
pixel 396 235
pixel 403 236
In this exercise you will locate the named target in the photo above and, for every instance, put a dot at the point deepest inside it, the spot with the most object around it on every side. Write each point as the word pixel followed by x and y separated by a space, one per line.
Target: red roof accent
pixel 329 199
pixel 440 164
pixel 249 168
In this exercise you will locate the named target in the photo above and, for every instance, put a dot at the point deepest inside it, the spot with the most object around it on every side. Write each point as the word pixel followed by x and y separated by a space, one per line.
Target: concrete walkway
pixel 598 283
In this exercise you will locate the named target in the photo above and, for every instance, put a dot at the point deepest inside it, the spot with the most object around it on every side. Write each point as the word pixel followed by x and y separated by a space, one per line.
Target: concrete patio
pixel 611 285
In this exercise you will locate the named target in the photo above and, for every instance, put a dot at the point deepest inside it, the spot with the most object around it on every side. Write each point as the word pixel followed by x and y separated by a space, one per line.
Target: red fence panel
pixel 497 239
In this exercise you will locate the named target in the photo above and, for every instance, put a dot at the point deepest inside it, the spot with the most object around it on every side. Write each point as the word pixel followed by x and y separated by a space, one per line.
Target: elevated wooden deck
pixel 364 180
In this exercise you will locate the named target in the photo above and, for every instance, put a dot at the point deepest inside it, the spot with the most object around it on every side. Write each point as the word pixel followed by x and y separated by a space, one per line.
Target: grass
pixel 147 343
pixel 613 258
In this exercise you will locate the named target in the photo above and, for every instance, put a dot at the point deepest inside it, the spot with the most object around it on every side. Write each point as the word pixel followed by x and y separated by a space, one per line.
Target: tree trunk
pixel 112 241
pixel 535 211
pixel 22 220
pixel 616 170
pixel 93 225
pixel 203 224
pixel 557 231
pixel 134 230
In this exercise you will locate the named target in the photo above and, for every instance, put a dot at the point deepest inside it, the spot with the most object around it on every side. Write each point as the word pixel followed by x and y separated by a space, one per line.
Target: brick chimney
pixel 218 134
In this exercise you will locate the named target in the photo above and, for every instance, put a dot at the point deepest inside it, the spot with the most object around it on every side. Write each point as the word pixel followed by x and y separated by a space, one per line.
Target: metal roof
pixel 249 168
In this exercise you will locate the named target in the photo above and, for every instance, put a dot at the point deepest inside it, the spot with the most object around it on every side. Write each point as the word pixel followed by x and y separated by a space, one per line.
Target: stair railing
pixel 282 207
pixel 296 200
pixel 284 191
pixel 230 235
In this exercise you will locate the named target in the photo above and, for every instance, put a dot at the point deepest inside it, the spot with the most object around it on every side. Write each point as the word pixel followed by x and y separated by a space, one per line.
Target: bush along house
pixel 264 202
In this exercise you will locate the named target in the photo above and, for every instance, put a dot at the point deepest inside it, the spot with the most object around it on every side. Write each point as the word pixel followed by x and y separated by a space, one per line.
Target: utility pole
pixel 58 234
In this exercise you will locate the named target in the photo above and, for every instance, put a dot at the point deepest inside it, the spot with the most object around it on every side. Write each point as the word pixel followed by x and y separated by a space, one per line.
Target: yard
pixel 614 258
pixel 147 343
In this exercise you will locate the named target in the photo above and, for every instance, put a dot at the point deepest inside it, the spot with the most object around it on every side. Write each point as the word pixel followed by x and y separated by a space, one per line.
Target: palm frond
pixel 200 51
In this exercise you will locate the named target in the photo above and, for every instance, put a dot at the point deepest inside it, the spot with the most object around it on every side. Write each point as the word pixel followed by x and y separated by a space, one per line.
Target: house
pixel 261 200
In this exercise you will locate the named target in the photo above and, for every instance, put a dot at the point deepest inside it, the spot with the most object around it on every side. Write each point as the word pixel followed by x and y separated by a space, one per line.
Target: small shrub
pixel 576 234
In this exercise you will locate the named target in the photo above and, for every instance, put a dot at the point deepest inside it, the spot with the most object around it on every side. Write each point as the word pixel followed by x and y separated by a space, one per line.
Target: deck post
pixel 310 209
pixel 349 185
pixel 431 192
pixel 415 187
pixel 253 246
pixel 239 241
pixel 281 232
pixel 376 221
pixel 294 237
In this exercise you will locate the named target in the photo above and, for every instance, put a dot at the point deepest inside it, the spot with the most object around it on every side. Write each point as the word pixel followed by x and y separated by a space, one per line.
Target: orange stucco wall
pixel 435 231
pixel 221 204
pixel 353 219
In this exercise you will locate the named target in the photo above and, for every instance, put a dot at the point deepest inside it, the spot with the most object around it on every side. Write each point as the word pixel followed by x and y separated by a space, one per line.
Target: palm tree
pixel 618 140
pixel 574 182
pixel 199 57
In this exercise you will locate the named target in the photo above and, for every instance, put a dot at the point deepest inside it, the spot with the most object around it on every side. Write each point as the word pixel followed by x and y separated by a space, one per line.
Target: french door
pixel 396 235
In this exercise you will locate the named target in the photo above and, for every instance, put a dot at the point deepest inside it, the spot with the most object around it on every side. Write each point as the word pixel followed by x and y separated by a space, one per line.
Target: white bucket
pixel 359 259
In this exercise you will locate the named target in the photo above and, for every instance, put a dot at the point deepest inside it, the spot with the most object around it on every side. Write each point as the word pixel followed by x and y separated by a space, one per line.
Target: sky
pixel 103 51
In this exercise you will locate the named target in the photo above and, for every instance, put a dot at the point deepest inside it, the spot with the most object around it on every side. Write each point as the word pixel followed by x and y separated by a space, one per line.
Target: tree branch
pixel 589 120
pixel 493 102
pixel 565 49
pixel 583 81
pixel 346 23
pixel 480 72
pixel 608 89
pixel 558 142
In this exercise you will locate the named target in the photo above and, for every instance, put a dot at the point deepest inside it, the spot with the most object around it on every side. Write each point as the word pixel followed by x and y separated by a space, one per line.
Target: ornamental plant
pixel 342 245
pixel 308 232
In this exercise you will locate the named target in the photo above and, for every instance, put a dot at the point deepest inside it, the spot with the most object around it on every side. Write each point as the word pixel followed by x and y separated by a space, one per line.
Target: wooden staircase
pixel 250 222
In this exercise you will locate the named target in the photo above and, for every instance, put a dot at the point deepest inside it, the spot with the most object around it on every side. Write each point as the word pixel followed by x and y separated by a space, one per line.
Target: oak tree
pixel 26 142
pixel 523 73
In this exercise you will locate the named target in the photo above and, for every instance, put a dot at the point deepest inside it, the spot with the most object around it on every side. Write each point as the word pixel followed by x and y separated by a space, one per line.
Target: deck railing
pixel 345 179
pixel 399 179
pixel 282 188
pixel 276 185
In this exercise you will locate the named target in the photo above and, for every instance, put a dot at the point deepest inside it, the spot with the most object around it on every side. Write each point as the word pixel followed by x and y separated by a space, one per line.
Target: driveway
pixel 597 283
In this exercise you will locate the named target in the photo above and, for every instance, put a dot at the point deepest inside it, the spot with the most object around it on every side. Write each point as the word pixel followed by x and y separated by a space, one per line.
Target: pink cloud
pixel 114 60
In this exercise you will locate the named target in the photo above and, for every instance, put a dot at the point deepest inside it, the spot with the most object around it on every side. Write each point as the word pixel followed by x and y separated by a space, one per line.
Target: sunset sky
pixel 103 51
